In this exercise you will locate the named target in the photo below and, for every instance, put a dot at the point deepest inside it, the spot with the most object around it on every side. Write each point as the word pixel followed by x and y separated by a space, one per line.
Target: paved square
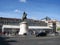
pixel 29 40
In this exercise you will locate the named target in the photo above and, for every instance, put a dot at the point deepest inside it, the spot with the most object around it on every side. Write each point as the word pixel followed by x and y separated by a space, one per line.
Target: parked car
pixel 41 34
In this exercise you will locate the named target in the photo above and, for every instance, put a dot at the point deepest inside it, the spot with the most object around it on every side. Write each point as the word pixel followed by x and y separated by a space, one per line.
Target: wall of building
pixel 14 21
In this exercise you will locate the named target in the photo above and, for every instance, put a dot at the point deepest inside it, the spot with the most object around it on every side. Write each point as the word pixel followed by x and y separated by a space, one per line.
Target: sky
pixel 35 9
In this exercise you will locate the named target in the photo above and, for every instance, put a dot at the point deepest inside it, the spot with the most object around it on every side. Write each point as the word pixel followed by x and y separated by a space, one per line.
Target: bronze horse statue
pixel 24 17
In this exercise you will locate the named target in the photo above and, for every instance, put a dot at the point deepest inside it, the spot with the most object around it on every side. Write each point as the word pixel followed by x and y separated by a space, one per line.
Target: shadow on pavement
pixel 11 41
pixel 3 41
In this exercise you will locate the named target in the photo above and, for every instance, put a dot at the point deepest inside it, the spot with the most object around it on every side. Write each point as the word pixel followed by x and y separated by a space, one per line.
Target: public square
pixel 29 40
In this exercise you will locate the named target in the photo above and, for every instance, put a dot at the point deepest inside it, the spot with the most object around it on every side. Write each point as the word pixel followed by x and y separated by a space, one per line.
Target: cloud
pixel 17 11
pixel 23 1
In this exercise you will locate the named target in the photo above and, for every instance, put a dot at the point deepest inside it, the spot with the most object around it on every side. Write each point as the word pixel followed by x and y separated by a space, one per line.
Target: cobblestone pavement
pixel 29 40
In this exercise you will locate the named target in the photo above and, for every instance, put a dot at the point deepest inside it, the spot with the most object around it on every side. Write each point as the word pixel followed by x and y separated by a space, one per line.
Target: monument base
pixel 23 28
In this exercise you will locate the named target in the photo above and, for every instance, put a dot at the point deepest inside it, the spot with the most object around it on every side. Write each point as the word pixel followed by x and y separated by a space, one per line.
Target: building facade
pixel 33 25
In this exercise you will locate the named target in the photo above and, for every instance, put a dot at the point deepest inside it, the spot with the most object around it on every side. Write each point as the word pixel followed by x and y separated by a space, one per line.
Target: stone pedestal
pixel 23 28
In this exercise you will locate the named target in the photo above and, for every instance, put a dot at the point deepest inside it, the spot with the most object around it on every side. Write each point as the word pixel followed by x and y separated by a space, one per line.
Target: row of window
pixel 9 22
